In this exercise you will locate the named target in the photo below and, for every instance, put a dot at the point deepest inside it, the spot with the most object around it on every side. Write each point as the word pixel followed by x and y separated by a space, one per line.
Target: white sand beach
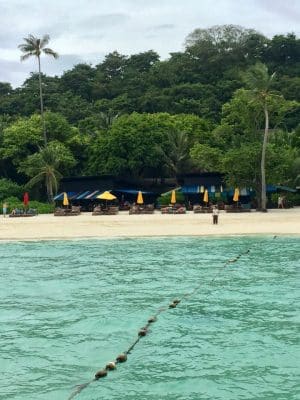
pixel 43 227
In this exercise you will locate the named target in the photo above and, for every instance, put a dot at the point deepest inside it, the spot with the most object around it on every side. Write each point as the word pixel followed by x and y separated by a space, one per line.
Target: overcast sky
pixel 86 30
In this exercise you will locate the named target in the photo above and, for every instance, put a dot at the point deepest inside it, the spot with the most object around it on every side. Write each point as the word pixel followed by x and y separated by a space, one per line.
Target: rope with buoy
pixel 122 357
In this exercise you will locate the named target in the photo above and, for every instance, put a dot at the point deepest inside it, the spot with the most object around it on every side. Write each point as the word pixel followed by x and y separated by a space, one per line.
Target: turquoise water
pixel 67 308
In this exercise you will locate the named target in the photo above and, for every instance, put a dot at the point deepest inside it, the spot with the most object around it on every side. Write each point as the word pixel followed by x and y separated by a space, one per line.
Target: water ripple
pixel 66 308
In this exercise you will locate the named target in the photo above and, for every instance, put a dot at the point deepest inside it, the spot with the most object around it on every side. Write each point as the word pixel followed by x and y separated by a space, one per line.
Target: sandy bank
pixel 277 222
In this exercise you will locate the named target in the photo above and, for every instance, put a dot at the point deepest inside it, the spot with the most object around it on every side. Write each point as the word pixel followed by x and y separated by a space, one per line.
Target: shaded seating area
pixel 236 208
pixel 65 212
pixel 198 209
pixel 110 210
pixel 177 209
pixel 17 212
pixel 142 209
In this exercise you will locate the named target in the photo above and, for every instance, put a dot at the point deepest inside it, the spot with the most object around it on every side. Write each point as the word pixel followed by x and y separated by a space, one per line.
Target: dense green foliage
pixel 140 116
pixel 9 188
pixel 15 203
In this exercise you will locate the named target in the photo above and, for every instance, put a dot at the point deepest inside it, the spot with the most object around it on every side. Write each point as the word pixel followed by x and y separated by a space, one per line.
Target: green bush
pixel 291 199
pixel 9 188
pixel 42 208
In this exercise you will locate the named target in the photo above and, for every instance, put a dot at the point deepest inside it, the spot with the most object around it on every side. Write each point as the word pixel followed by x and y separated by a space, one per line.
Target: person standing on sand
pixel 4 209
pixel 215 214
pixel 280 202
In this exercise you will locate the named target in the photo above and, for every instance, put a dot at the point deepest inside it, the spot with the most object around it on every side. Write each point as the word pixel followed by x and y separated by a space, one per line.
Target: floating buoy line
pixel 122 357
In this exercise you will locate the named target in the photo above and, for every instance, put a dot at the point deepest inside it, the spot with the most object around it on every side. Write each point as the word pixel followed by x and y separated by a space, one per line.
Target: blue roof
pixel 82 195
pixel 60 196
pixel 274 188
pixel 131 191
pixel 194 189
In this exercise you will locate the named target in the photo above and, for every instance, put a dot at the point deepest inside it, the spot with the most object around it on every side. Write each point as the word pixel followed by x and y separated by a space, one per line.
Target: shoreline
pixel 46 227
pixel 84 238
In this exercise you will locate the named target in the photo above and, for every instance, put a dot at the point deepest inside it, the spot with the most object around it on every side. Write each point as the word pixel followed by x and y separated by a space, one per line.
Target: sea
pixel 67 308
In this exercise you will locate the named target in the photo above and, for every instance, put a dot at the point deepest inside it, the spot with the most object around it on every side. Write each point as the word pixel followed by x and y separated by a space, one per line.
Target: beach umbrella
pixel 26 199
pixel 106 196
pixel 65 199
pixel 140 199
pixel 205 196
pixel 236 194
pixel 173 197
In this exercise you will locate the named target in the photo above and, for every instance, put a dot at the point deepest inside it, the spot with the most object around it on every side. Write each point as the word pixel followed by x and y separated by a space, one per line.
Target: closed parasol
pixel 65 199
pixel 236 195
pixel 26 199
pixel 140 199
pixel 173 197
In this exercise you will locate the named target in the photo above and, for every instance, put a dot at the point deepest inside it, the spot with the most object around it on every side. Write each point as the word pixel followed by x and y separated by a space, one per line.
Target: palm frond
pixel 36 179
pixel 27 55
pixel 50 52
pixel 44 41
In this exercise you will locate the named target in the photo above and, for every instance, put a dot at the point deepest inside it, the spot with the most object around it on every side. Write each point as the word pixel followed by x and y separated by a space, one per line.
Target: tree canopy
pixel 141 116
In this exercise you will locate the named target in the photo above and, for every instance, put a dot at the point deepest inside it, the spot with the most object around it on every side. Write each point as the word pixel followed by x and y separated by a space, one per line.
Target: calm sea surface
pixel 67 308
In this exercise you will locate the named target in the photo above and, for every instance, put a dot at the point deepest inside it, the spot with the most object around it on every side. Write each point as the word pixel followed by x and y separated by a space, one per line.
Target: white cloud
pixel 88 29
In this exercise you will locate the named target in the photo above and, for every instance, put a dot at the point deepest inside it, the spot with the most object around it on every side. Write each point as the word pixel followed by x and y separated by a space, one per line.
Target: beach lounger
pixel 112 210
pixel 201 210
pixel 65 212
pixel 147 209
pixel 23 213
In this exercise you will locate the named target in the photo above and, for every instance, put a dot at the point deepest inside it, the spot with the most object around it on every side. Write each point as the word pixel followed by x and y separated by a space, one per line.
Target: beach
pixel 48 227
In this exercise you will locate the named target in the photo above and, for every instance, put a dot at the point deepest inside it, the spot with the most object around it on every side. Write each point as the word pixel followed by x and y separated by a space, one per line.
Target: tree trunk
pixel 49 190
pixel 42 104
pixel 263 161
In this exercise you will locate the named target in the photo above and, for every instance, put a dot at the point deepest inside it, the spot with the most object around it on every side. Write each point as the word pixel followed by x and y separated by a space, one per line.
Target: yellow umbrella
pixel 173 197
pixel 65 199
pixel 205 197
pixel 236 194
pixel 106 196
pixel 140 199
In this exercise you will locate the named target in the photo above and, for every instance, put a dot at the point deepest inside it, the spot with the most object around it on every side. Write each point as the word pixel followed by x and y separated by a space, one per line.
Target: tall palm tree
pixel 258 80
pixel 34 47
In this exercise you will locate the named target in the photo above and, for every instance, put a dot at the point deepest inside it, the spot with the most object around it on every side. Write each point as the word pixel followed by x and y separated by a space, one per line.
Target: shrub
pixel 9 188
pixel 42 208
pixel 291 199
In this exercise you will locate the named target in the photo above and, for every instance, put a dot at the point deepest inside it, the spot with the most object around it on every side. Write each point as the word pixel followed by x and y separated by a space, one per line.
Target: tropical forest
pixel 229 102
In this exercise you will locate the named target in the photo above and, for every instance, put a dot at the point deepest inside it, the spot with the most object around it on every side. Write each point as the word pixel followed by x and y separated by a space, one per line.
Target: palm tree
pixel 43 167
pixel 34 47
pixel 258 80
pixel 177 154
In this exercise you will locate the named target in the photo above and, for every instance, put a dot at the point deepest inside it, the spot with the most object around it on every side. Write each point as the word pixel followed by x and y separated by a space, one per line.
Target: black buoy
pixel 100 374
pixel 143 332
pixel 110 366
pixel 151 319
pixel 122 358
pixel 172 305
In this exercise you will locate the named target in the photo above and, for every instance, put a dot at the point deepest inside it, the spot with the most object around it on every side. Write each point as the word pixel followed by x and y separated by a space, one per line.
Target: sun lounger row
pixel 65 212
pixel 202 210
pixel 147 209
pixel 173 210
pixel 23 213
pixel 236 209
pixel 105 211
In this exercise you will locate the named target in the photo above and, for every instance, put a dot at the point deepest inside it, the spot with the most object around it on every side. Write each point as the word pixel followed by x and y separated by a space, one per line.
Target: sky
pixel 87 30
